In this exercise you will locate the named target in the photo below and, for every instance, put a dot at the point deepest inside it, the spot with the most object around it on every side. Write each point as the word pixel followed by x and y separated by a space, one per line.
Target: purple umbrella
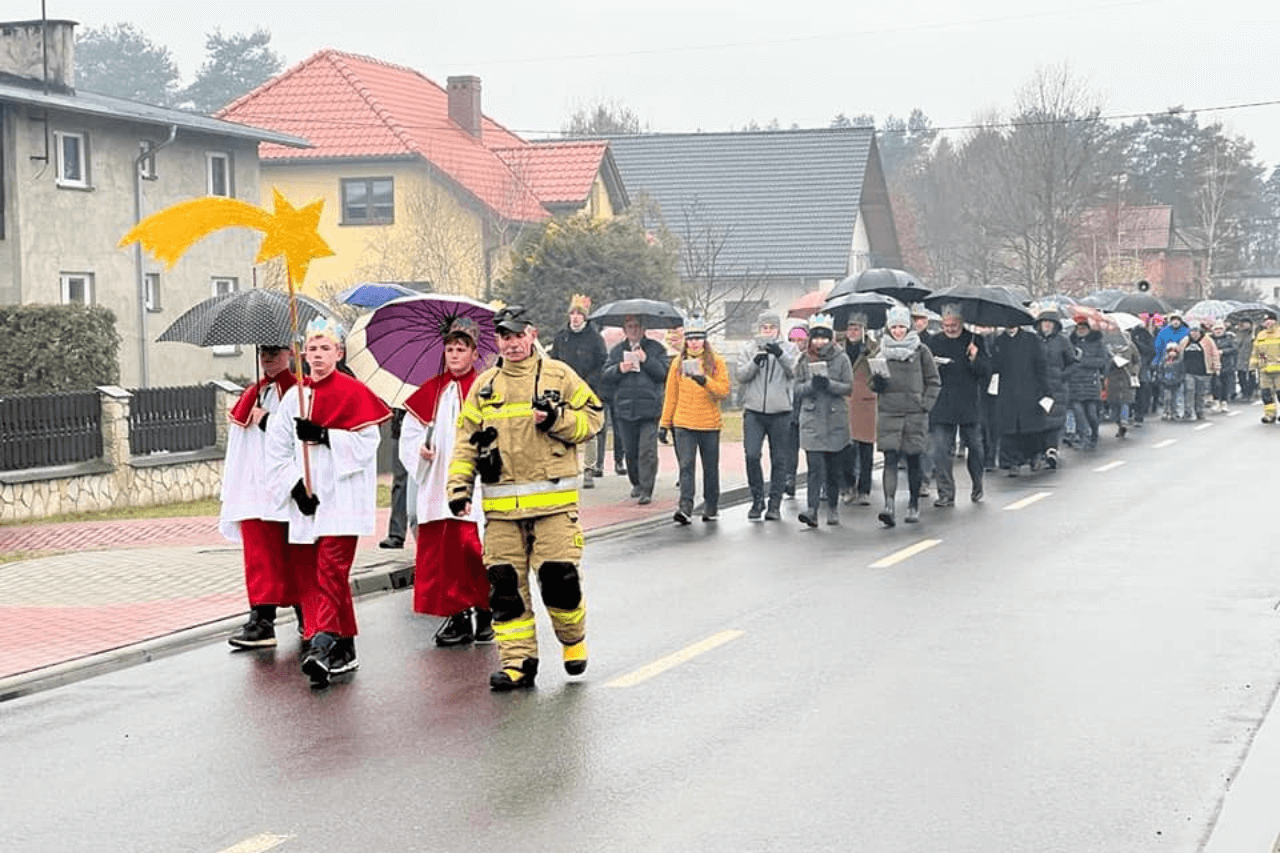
pixel 399 346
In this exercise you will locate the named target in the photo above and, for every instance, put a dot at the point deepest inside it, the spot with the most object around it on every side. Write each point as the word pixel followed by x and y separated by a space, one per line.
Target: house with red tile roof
pixel 1119 246
pixel 419 184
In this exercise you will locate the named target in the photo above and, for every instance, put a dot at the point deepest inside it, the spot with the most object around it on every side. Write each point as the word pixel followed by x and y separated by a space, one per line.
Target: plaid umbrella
pixel 397 347
pixel 259 317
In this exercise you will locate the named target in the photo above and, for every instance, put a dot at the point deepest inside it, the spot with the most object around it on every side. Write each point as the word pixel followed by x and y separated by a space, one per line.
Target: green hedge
pixel 46 348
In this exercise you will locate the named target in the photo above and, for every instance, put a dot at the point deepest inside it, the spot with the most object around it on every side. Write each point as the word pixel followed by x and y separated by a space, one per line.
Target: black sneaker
pixel 809 518
pixel 456 630
pixel 620 469
pixel 943 503
pixel 316 664
pixel 255 634
pixel 484 626
pixel 343 657
pixel 391 542
pixel 773 514
pixel 682 517
pixel 756 512
pixel 513 677
pixel 710 515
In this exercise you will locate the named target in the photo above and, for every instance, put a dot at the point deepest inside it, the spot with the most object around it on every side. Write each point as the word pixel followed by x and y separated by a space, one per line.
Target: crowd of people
pixel 492 456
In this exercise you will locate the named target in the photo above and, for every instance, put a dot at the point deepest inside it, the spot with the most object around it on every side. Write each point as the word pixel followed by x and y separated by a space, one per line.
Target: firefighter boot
pixel 1268 406
pixel 514 678
pixel 575 658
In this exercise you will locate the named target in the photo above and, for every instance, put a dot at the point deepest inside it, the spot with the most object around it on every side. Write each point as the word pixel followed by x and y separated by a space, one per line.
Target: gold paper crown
pixel 822 321
pixel 326 327
pixel 580 302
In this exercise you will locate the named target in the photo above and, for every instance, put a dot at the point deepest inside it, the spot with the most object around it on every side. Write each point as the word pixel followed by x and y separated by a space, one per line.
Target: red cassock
pixel 449 574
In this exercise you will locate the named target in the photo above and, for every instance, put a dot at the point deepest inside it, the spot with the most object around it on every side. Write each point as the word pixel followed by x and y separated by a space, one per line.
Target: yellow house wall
pixel 433 236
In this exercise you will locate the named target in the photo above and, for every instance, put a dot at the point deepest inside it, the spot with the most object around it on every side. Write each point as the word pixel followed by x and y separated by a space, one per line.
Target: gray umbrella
pixel 251 317
pixel 652 312
pixel 901 285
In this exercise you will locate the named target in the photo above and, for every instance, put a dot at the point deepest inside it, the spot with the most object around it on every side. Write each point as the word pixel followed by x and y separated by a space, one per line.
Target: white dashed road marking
pixel 673 660
pixel 1201 427
pixel 1110 466
pixel 1233 413
pixel 1163 444
pixel 905 553
pixel 258 844
pixel 1028 500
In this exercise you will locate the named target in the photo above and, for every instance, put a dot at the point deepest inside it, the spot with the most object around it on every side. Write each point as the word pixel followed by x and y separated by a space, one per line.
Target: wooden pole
pixel 297 352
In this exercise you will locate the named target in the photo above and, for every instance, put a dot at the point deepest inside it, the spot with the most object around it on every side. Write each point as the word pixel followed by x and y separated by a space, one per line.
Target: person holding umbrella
pixel 449 577
pixel 906 378
pixel 518 430
pixel 248 516
pixel 696 383
pixel 636 374
pixel 964 369
pixel 324 465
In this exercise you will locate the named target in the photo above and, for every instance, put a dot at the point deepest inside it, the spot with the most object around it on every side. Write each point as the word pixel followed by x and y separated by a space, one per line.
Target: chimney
pixel 464 104
pixel 23 52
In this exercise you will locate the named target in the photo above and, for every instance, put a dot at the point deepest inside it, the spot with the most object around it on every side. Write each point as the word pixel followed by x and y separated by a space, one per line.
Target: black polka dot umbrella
pixel 252 317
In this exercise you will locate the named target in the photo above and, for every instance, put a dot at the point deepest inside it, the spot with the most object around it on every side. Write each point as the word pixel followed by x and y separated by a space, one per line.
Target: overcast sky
pixel 683 65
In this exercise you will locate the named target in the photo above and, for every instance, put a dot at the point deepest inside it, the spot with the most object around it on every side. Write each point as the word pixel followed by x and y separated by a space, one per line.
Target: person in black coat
pixel 635 376
pixel 1084 382
pixel 1146 344
pixel 1059 355
pixel 581 346
pixel 1022 397
pixel 965 369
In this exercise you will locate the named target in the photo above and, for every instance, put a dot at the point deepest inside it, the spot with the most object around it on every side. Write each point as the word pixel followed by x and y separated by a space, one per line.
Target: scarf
pixel 899 350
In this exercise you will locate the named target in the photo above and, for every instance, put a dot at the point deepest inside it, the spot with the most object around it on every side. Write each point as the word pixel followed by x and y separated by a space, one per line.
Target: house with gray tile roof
pixel 769 215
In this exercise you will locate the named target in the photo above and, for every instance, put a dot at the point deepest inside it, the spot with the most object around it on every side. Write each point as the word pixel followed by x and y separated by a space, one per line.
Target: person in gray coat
pixel 906 378
pixel 824 379
pixel 765 370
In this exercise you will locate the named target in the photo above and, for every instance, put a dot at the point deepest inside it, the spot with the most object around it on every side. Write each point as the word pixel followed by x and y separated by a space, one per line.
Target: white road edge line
pixel 1202 427
pixel 1110 466
pixel 674 659
pixel 1159 445
pixel 906 553
pixel 258 844
pixel 1233 413
pixel 1028 500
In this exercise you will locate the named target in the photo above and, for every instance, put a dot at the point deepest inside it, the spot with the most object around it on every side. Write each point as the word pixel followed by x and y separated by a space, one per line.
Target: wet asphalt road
pixel 1082 673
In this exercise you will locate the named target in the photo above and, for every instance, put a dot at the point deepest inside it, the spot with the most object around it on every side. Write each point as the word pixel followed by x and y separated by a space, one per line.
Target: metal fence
pixel 49 429
pixel 172 419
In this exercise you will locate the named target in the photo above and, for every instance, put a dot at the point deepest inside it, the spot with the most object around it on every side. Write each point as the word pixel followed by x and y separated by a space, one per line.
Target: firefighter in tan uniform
pixel 1266 361
pixel 519 429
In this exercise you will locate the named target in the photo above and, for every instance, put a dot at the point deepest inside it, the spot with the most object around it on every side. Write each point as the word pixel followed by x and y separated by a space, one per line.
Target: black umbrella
pixel 1254 312
pixel 1141 303
pixel 982 306
pixel 902 286
pixel 1105 299
pixel 873 305
pixel 248 317
pixel 652 312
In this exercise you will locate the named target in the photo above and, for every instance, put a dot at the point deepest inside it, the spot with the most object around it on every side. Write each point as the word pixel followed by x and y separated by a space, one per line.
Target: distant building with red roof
pixel 419 184
pixel 1118 247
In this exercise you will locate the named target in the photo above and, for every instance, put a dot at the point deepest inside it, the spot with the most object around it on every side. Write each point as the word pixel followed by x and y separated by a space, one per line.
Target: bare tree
pixel 441 242
pixel 709 280
pixel 1227 179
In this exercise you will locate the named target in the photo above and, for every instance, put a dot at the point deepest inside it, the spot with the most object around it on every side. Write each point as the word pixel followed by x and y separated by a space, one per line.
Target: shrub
pixel 47 348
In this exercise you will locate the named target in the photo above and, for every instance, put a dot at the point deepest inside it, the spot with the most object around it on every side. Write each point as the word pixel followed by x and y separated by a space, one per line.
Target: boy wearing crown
pixel 322 464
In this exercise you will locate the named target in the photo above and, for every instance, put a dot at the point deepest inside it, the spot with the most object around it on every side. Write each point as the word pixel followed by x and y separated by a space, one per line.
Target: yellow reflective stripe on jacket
pixel 511 410
pixel 462 467
pixel 537 501
pixel 519 629
pixel 583 427
pixel 568 617
pixel 580 397
pixel 469 413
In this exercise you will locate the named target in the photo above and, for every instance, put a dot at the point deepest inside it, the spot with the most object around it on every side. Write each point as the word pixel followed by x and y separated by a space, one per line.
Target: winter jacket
pixel 690 405
pixel 963 380
pixel 1171 373
pixel 1169 335
pixel 766 385
pixel 584 351
pixel 862 400
pixel 1084 375
pixel 1119 377
pixel 1211 361
pixel 1266 351
pixel 1020 362
pixel 1059 354
pixel 824 409
pixel 1227 351
pixel 902 414
pixel 1146 345
pixel 637 395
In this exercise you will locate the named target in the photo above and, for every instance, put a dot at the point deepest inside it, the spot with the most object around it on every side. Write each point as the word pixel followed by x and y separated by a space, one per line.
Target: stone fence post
pixel 115 425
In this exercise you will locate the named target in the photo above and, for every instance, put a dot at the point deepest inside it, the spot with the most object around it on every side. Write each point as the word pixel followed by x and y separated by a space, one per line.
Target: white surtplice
pixel 431 477
pixel 244 472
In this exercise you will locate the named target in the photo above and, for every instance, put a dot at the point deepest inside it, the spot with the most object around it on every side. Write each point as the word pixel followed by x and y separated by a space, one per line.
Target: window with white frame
pixel 218 170
pixel 151 291
pixel 222 287
pixel 71 154
pixel 368 201
pixel 77 288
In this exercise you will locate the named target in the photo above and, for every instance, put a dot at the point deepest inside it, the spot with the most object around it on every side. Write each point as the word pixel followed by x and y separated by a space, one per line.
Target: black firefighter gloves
pixel 488 459
pixel 306 503
pixel 458 506
pixel 311 431
pixel 550 409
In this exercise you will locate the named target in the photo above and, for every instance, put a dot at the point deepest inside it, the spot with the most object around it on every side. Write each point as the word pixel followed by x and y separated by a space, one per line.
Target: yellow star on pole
pixel 294 233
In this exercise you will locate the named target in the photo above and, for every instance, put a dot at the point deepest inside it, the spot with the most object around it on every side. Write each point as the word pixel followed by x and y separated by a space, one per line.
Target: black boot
pixel 484 626
pixel 318 664
pixel 456 630
pixel 259 632
pixel 886 514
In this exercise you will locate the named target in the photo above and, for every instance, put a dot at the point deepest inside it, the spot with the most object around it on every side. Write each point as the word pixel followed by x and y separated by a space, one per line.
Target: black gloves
pixel 821 383
pixel 773 349
pixel 488 460
pixel 700 379
pixel 262 424
pixel 552 411
pixel 482 438
pixel 458 505
pixel 879 384
pixel 663 435
pixel 306 503
pixel 311 431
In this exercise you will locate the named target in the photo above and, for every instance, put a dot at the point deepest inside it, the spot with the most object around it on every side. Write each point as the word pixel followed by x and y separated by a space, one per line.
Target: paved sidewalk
pixel 122 592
